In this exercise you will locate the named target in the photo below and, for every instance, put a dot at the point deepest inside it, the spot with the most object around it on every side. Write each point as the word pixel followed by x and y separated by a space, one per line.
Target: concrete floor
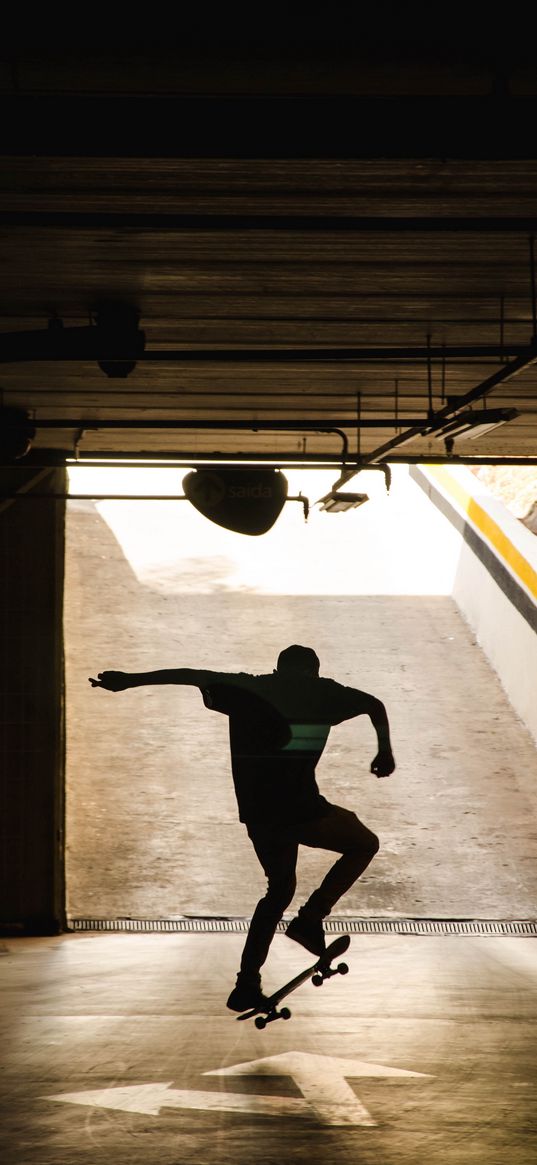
pixel 119 1048
pixel 152 827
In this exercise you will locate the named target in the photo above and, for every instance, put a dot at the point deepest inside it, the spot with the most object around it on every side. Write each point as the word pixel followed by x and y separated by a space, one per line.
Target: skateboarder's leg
pixel 278 858
pixel 341 831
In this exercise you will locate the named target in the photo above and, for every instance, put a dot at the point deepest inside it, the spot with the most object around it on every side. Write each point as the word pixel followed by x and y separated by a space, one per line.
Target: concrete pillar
pixel 31 702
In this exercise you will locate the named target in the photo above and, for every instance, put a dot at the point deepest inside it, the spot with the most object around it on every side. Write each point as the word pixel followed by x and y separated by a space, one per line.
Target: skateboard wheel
pixel 317 980
pixel 260 1022
pixel 285 1013
pixel 342 968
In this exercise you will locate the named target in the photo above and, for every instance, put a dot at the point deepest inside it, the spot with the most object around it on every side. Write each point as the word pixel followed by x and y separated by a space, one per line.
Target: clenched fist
pixel 383 764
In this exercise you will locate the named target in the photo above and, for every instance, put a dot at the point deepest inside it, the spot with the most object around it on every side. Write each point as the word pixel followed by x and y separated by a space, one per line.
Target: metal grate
pixel 410 926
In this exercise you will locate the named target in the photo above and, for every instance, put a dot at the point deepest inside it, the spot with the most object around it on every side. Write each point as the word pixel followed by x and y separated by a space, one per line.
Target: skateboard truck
pixel 318 973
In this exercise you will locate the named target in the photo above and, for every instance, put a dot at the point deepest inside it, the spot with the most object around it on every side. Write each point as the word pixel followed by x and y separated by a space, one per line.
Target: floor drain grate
pixel 210 925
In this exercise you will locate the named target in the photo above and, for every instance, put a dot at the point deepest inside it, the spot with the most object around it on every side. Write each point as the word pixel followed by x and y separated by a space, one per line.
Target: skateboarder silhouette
pixel 279 724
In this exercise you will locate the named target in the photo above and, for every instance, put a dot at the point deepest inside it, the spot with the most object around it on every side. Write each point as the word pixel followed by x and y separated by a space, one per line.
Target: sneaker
pixel 247 993
pixel 308 931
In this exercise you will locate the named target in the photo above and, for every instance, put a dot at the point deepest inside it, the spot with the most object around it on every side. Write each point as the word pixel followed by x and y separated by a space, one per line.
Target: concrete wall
pixel 495 582
pixel 31 702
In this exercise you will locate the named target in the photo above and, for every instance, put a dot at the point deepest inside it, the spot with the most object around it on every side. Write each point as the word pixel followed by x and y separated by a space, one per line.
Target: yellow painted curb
pixel 488 527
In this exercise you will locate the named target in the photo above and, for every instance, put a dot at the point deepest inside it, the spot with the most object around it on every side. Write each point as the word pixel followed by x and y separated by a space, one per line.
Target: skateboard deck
pixel 320 970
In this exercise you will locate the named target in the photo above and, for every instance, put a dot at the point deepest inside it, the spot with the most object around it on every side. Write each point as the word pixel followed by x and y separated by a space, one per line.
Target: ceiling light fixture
pixel 469 424
pixel 336 503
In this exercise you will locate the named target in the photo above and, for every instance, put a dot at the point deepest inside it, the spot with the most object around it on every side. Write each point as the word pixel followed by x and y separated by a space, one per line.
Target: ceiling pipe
pixel 254 427
pixel 288 426
pixel 438 419
pixel 279 223
pixel 115 342
pixel 19 495
pixel 75 344
pixel 143 459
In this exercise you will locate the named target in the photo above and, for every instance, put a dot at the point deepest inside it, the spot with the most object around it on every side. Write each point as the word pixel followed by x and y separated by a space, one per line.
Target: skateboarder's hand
pixel 383 764
pixel 113 681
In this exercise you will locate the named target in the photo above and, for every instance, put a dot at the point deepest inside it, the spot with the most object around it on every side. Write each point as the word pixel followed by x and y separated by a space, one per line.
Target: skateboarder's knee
pixel 281 892
pixel 373 843
pixel 367 845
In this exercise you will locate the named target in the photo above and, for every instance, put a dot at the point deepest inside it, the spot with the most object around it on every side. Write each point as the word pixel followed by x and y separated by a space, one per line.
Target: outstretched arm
pixel 117 681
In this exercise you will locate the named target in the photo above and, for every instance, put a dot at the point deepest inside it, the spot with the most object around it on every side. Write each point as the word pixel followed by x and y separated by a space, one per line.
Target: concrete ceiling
pixel 329 254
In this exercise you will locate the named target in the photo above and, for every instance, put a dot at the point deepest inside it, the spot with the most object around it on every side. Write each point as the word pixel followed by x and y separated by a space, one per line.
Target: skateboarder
pixel 279 724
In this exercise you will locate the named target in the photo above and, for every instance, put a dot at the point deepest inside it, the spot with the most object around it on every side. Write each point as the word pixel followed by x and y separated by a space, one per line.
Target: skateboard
pixel 320 971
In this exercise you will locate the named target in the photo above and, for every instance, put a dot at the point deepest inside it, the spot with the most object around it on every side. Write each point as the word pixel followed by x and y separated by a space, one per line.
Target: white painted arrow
pixel 150 1098
pixel 322 1081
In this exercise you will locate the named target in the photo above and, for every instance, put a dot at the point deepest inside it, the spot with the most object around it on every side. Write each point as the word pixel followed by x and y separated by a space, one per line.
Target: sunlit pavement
pixel 120 1048
pixel 152 826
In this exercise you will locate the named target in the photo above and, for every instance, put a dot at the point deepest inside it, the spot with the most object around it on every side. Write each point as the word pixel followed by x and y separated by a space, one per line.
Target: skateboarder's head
pixel 298 659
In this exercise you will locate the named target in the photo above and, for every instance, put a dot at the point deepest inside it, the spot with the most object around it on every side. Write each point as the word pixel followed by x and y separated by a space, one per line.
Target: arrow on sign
pixel 322 1081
